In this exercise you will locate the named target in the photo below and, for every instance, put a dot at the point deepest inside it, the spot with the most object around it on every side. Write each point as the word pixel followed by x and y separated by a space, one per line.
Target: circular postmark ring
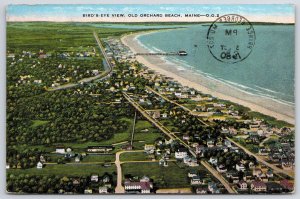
pixel 231 38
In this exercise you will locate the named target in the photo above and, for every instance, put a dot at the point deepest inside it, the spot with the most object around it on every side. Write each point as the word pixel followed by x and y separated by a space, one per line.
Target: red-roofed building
pixel 258 186
pixel 286 185
pixel 243 185
pixel 143 186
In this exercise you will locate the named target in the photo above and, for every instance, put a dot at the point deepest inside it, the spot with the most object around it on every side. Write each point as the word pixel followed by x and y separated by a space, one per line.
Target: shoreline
pixel 209 86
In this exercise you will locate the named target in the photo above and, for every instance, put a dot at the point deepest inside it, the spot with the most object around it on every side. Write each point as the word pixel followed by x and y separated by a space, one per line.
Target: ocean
pixel 267 72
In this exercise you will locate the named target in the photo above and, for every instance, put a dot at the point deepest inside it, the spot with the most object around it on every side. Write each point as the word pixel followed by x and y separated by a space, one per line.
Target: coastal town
pixel 98 121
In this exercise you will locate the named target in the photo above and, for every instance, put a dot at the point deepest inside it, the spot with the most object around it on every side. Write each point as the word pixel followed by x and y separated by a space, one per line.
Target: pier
pixel 180 53
pixel 164 54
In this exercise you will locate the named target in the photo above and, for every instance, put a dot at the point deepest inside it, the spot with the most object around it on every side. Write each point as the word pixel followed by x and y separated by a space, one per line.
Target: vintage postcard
pixel 150 99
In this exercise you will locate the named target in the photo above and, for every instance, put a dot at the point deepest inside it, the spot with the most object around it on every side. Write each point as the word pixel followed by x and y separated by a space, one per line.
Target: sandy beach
pixel 209 86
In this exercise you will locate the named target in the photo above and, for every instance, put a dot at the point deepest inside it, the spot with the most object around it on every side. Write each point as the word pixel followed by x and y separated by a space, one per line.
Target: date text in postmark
pixel 231 38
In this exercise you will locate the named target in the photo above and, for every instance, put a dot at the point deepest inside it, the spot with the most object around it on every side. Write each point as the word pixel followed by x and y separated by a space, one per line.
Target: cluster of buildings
pixel 115 48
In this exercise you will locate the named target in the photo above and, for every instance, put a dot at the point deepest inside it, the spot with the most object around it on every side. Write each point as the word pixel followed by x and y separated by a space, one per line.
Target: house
pixel 94 178
pixel 60 150
pixel 221 168
pixel 149 147
pixel 251 165
pixel 287 164
pixel 77 159
pixel 273 187
pixel 248 177
pixel 186 137
pixel 210 143
pixel 100 149
pixel 143 186
pixel 243 185
pixel 164 115
pixel 192 173
pixel 181 153
pixel 39 165
pixel 42 159
pixel 240 167
pixel 156 114
pixel 201 190
pixel 76 181
pixel 258 186
pixel 263 151
pixel 190 161
pixel 88 191
pixel 106 179
pixel 196 180
pixel 269 173
pixel 163 162
pixel 213 160
pixel 257 172
pixel 212 187
pixel 200 149
pixel 227 143
pixel 103 189
pixel 235 178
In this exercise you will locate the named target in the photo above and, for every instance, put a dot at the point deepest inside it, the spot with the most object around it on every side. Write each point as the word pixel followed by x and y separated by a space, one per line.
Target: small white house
pixel 196 180
pixel 103 189
pixel 181 153
pixel 77 159
pixel 94 178
pixel 213 160
pixel 240 167
pixel 39 165
pixel 60 150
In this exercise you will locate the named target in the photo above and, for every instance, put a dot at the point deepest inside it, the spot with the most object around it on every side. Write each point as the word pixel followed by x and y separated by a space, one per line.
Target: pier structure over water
pixel 171 53
pixel 180 53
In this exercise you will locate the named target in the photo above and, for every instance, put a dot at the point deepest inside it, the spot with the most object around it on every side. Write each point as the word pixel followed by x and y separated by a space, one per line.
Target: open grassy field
pixel 36 123
pixel 99 158
pixel 134 156
pixel 65 170
pixel 164 177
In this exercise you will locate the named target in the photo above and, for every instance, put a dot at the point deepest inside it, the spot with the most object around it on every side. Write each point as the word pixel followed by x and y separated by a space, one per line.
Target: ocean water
pixel 267 72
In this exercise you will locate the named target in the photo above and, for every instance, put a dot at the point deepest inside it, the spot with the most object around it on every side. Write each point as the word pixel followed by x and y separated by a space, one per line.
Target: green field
pixel 134 156
pixel 164 177
pixel 36 123
pixel 99 158
pixel 65 170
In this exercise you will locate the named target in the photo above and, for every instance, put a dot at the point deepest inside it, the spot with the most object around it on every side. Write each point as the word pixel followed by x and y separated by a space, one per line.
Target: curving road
pixel 120 188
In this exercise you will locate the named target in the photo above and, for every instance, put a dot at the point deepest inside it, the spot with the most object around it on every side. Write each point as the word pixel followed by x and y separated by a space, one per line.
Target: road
pixel 157 123
pixel 261 160
pixel 219 177
pixel 171 135
pixel 120 188
pixel 100 76
pixel 133 129
pixel 289 173
pixel 173 102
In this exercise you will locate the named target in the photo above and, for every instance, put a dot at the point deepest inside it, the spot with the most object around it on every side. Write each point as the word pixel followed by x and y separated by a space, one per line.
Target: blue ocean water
pixel 267 72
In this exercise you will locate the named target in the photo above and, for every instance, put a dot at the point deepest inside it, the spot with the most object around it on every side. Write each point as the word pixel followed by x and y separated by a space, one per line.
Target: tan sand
pixel 209 86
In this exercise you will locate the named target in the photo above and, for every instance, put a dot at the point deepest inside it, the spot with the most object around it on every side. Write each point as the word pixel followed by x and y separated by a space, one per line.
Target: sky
pixel 59 12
